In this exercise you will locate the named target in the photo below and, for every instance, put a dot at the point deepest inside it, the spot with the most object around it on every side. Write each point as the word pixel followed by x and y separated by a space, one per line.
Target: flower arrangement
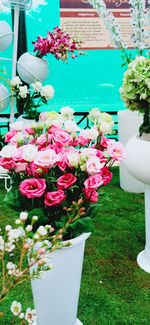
pixel 59 44
pixel 31 98
pixel 135 90
pixel 58 169
pixel 17 246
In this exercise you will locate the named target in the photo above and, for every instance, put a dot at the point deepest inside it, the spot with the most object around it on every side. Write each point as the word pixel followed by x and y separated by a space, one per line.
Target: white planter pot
pixel 138 164
pixel 25 121
pixel 56 296
pixel 5 35
pixel 31 68
pixel 4 98
pixel 128 125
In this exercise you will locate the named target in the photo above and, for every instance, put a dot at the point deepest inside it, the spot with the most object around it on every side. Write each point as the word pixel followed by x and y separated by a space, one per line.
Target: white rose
pixel 16 81
pixel 67 113
pixel 94 115
pixel 23 91
pixel 93 134
pixel 73 159
pixel 71 126
pixel 8 151
pixel 47 92
pixel 106 127
pixel 29 152
pixel 37 86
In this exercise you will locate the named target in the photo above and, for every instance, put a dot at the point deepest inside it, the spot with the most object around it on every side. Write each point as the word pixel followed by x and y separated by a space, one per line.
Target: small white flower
pixel 14 234
pixel 47 92
pixel 67 113
pixel 42 231
pixel 37 86
pixel 21 316
pixel 35 218
pixel 23 216
pixel 29 228
pixel 8 228
pixel 9 246
pixel 16 81
pixel 1 243
pixel 16 308
pixel 36 236
pixel 30 315
pixel 10 266
pixel 18 222
pixel 23 91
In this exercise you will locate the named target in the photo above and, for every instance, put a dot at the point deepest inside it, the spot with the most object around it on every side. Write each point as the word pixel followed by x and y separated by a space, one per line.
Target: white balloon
pixel 5 35
pixel 4 98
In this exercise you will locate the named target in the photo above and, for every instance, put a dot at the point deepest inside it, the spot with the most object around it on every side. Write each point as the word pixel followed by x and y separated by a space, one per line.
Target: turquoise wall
pixel 92 80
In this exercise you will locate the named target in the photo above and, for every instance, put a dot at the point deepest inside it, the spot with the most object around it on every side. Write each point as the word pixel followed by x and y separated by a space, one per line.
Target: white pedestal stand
pixel 143 258
pixel 128 125
pixel 138 164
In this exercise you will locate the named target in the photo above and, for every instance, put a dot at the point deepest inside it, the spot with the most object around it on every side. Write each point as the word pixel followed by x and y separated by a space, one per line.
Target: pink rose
pixel 17 155
pixel 104 141
pixel 7 163
pixel 65 181
pixel 30 131
pixel 93 182
pixel 106 175
pixel 32 188
pixel 20 167
pixel 54 198
pixel 62 138
pixel 92 197
pixel 116 150
pixel 83 138
pixel 10 135
pixel 36 171
pixel 93 165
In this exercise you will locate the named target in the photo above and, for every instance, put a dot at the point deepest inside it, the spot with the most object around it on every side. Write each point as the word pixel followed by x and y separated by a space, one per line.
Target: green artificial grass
pixel 114 290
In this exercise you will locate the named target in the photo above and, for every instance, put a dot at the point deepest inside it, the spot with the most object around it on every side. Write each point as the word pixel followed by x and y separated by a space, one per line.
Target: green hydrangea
pixel 135 90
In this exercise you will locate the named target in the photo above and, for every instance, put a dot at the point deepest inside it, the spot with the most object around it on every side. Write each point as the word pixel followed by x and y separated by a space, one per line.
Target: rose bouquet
pixel 135 90
pixel 59 44
pixel 58 169
pixel 31 98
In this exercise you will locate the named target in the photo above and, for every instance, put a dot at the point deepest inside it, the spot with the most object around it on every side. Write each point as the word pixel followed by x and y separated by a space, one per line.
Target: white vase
pixel 128 125
pixel 5 35
pixel 26 122
pixel 138 164
pixel 4 98
pixel 56 296
pixel 31 68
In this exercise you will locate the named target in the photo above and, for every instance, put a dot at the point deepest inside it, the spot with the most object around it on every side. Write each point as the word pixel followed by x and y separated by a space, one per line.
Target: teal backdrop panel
pixel 92 80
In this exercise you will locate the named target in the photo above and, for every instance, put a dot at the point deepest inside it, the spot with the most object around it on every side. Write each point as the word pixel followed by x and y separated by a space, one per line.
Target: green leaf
pixel 82 225
pixel 12 198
